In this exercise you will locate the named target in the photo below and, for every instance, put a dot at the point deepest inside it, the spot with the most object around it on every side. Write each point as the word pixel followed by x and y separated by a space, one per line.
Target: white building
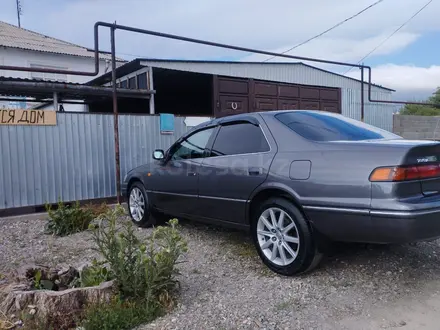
pixel 24 48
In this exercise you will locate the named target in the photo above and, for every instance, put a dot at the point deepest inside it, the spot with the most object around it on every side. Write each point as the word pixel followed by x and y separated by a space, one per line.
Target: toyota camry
pixel 294 179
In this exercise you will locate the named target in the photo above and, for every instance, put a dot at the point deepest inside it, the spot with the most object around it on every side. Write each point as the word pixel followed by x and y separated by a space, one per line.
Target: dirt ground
pixel 225 286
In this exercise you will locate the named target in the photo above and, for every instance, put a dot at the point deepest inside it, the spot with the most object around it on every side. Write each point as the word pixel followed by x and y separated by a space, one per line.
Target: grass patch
pixel 283 305
pixel 245 249
pixel 240 245
pixel 120 315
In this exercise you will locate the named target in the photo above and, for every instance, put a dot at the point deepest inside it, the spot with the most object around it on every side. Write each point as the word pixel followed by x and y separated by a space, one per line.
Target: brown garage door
pixel 234 96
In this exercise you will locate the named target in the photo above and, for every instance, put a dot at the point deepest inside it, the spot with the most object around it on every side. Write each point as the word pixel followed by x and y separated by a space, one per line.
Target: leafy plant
pixel 37 279
pixel 66 220
pixel 144 273
pixel 95 274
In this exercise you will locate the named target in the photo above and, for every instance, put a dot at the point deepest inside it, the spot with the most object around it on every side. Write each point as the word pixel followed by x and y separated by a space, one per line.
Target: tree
pixel 424 110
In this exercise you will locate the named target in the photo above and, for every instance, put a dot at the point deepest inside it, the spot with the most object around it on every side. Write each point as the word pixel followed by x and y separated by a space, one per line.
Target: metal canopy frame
pixel 113 27
pixel 45 89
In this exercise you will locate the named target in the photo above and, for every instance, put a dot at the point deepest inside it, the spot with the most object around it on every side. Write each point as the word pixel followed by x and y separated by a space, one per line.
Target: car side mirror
pixel 158 154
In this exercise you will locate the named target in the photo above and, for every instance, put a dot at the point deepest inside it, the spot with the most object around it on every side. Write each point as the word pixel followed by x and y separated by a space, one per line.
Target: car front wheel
pixel 138 205
pixel 283 238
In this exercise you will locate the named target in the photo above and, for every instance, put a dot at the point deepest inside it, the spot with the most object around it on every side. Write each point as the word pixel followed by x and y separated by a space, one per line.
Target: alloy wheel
pixel 278 236
pixel 137 204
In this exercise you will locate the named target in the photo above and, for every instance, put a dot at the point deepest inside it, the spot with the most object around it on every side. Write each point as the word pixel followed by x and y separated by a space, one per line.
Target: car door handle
pixel 254 171
pixel 191 174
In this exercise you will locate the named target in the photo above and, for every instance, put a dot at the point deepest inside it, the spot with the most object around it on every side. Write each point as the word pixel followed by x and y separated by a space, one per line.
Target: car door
pixel 176 177
pixel 238 162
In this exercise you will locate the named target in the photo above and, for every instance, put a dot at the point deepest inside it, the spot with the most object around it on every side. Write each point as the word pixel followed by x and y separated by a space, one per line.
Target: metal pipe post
pixel 115 115
pixel 150 87
pixel 55 101
pixel 362 93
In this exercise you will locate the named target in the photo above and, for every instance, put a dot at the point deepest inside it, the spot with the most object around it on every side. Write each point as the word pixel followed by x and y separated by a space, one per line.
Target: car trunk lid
pixel 418 165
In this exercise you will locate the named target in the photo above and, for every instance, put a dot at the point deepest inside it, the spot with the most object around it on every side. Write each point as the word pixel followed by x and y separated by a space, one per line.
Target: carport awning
pixel 40 90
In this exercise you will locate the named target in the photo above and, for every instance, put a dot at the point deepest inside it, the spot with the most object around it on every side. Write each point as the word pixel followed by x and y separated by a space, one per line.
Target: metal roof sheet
pixel 15 37
pixel 208 67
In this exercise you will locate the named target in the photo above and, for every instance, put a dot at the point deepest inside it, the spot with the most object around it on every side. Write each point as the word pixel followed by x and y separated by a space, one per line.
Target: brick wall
pixel 417 127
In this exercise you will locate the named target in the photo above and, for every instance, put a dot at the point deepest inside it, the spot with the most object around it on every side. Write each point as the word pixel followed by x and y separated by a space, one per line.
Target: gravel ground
pixel 225 286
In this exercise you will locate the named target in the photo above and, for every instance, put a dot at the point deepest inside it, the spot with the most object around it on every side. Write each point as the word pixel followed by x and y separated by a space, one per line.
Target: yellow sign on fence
pixel 27 117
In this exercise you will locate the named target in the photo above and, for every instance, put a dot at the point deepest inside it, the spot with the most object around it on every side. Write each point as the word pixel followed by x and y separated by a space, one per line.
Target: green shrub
pixel 66 220
pixel 144 273
pixel 141 271
pixel 419 110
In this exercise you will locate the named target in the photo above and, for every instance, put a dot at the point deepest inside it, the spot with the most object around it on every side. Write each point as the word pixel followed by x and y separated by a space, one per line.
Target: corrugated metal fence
pixel 74 160
pixel 376 114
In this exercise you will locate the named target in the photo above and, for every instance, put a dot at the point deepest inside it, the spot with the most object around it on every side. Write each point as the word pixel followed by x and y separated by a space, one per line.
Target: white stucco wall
pixel 19 57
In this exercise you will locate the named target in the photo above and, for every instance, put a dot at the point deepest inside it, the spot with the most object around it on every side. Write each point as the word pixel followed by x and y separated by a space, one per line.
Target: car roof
pixel 252 117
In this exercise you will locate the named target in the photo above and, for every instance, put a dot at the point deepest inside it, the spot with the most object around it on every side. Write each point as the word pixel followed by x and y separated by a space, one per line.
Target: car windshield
pixel 318 126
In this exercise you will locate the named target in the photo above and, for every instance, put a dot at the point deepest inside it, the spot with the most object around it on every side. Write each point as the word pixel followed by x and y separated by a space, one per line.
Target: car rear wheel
pixel 138 207
pixel 283 238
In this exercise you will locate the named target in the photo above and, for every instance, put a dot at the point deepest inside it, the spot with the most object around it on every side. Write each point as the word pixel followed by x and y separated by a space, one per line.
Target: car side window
pixel 242 138
pixel 193 146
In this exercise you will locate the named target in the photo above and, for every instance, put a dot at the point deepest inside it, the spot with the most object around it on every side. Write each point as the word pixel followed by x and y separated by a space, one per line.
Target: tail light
pixel 405 173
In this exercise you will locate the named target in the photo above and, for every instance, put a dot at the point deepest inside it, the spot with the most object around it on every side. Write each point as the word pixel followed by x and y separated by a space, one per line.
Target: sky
pixel 408 62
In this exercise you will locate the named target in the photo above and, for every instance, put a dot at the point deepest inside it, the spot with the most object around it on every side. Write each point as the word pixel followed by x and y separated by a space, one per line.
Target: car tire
pixel 296 249
pixel 138 206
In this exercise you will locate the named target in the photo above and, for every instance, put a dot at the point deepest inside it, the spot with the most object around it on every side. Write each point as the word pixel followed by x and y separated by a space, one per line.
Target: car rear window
pixel 317 126
pixel 239 139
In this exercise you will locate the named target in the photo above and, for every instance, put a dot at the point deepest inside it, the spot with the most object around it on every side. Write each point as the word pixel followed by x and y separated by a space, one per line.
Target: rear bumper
pixel 406 226
pixel 376 226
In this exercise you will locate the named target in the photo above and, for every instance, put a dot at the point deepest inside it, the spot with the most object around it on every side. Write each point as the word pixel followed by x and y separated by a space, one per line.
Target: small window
pixel 329 127
pixel 239 139
pixel 132 83
pixel 142 81
pixel 124 84
pixel 193 146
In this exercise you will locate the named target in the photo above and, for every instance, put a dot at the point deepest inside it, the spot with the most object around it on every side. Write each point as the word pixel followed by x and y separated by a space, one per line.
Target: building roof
pixel 172 63
pixel 14 37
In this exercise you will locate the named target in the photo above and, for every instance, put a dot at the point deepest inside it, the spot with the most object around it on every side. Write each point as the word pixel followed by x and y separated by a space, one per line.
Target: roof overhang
pixel 44 90
pixel 121 71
